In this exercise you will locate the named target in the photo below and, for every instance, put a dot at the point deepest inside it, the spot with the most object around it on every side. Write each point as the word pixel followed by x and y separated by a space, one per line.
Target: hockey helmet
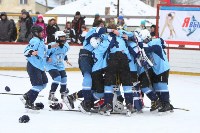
pixel 95 41
pixel 59 34
pixel 144 34
pixel 35 30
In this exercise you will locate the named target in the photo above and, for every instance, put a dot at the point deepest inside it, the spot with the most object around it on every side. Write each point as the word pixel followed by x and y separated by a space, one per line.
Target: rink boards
pixel 181 61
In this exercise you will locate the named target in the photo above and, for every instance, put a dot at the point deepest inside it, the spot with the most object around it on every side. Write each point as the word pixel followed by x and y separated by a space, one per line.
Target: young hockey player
pixel 35 53
pixel 145 72
pixel 118 64
pixel 160 71
pixel 86 63
pixel 56 67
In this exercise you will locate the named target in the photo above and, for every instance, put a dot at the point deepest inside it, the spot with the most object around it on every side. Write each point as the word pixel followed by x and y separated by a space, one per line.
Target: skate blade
pixel 83 111
pixel 51 102
pixel 23 100
pixel 66 102
pixel 165 113
pixel 107 113
pixel 32 111
pixel 128 113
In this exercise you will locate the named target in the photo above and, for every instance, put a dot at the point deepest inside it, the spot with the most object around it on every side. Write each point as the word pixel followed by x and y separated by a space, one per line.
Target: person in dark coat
pixel 51 29
pixel 14 31
pixel 77 23
pixel 5 28
pixel 25 28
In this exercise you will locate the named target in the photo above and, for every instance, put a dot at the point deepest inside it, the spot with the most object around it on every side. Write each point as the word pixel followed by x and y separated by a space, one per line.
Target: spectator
pixel 51 29
pixel 14 31
pixel 96 18
pixel 111 22
pixel 70 33
pixel 5 28
pixel 121 24
pixel 77 22
pixel 84 32
pixel 34 18
pixel 142 26
pixel 25 28
pixel 40 22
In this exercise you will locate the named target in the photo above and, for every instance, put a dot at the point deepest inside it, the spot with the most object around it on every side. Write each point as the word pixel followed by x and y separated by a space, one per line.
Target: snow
pixel 184 92
pixel 91 7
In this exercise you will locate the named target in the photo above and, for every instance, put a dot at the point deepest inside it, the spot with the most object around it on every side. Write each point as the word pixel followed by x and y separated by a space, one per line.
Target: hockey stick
pixel 184 109
pixel 17 94
pixel 12 76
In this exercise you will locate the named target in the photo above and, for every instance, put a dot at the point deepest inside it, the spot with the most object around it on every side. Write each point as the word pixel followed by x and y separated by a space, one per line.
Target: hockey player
pixel 118 64
pixel 56 67
pixel 160 71
pixel 145 72
pixel 86 63
pixel 35 53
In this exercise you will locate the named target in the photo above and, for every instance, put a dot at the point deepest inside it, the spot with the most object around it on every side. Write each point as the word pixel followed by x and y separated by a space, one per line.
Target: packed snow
pixel 184 92
pixel 91 7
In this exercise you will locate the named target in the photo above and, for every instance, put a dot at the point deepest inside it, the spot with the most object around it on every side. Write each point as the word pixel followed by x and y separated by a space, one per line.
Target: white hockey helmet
pixel 95 41
pixel 118 107
pixel 144 34
pixel 59 34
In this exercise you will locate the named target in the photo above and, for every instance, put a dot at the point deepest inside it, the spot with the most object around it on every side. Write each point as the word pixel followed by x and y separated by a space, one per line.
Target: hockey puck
pixel 7 88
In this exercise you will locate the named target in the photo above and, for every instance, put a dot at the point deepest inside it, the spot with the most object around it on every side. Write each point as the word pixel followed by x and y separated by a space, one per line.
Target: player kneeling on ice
pixel 35 53
pixel 56 67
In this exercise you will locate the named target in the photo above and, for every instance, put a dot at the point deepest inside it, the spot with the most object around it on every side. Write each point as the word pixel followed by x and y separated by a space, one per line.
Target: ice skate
pixel 85 107
pixel 155 105
pixel 68 100
pixel 106 109
pixel 52 98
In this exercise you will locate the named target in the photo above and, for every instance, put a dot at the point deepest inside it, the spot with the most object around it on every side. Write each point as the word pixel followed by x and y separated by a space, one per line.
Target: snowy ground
pixel 184 91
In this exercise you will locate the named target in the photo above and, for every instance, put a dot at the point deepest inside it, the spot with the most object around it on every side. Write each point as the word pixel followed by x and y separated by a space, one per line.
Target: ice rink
pixel 184 90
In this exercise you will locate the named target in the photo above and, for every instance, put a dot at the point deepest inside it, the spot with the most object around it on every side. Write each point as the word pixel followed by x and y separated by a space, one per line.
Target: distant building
pixel 15 6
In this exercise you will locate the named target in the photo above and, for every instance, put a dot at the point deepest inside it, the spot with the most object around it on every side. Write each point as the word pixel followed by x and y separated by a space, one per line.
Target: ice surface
pixel 184 92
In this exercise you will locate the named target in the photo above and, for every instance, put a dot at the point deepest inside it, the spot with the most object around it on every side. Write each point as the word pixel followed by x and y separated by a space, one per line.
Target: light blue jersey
pixel 160 61
pixel 100 54
pixel 58 55
pixel 134 51
pixel 93 32
pixel 118 44
pixel 36 44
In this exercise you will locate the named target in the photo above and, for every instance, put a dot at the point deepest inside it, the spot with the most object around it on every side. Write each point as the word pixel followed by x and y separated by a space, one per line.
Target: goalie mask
pixel 95 41
pixel 58 39
pixel 118 107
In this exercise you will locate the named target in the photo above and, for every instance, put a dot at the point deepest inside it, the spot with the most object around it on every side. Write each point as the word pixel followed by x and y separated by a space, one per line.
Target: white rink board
pixel 180 60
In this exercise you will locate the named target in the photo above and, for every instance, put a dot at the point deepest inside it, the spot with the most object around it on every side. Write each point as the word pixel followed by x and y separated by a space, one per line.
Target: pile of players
pixel 110 58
